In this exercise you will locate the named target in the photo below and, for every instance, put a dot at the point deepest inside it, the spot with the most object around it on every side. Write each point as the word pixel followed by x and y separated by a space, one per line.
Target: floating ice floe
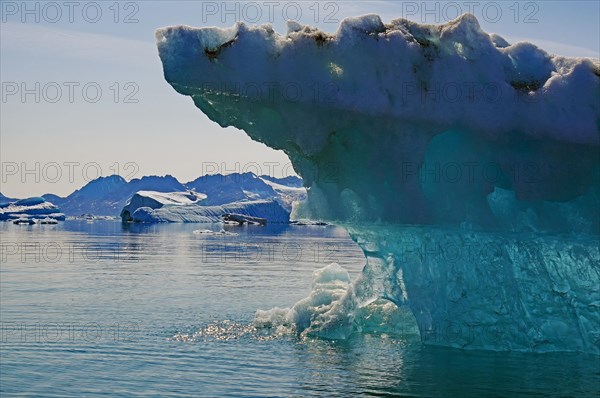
pixel 208 232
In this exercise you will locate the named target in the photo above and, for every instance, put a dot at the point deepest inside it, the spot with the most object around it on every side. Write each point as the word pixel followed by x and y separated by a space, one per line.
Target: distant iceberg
pixel 30 209
pixel 187 207
pixel 155 200
pixel 467 168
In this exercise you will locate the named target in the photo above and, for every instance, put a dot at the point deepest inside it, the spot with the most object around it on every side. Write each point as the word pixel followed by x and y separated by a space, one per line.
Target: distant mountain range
pixel 106 196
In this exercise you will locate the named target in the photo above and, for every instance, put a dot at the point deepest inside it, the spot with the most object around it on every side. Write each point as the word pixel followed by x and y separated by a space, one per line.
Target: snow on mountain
pixel 289 181
pixel 286 194
pixel 229 188
pixel 222 189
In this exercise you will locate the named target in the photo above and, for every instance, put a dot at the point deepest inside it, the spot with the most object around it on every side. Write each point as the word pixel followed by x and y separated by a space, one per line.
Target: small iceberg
pixel 241 219
pixel 208 232
pixel 308 222
pixel 48 220
pixel 23 221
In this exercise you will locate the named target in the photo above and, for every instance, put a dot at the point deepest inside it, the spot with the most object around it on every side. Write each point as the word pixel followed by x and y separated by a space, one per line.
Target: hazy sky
pixel 96 103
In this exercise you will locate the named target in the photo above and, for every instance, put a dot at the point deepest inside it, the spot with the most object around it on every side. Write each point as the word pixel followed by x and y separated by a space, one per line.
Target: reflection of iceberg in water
pixel 467 169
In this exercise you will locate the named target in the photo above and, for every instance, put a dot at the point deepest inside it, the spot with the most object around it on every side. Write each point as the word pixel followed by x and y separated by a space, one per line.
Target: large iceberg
pixel 155 200
pixel 467 168
pixel 188 207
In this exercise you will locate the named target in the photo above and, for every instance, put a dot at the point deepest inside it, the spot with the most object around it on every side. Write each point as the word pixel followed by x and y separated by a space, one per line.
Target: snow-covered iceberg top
pixel 30 208
pixel 433 145
pixel 405 122
pixel 191 206
pixel 156 200
pixel 270 210
pixel 172 198
pixel 373 68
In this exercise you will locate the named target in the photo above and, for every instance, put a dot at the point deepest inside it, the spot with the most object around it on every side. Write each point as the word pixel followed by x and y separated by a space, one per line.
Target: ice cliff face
pixel 445 126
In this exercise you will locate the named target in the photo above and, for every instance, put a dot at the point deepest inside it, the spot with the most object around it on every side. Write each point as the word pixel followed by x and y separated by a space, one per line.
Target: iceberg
pixel 210 232
pixel 467 169
pixel 155 200
pixel 267 209
pixel 187 207
pixel 29 209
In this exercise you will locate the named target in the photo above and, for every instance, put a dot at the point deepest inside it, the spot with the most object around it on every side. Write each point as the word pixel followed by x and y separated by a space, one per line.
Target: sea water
pixel 104 308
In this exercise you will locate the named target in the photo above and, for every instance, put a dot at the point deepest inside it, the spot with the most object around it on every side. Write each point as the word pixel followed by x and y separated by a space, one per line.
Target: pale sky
pixel 138 125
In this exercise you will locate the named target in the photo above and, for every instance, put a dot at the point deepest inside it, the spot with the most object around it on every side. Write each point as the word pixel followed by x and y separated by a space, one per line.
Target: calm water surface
pixel 90 309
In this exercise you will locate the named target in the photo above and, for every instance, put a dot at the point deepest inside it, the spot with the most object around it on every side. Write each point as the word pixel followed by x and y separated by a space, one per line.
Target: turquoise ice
pixel 466 168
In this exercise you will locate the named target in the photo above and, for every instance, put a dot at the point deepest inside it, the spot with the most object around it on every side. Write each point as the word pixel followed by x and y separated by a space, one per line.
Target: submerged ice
pixel 466 168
